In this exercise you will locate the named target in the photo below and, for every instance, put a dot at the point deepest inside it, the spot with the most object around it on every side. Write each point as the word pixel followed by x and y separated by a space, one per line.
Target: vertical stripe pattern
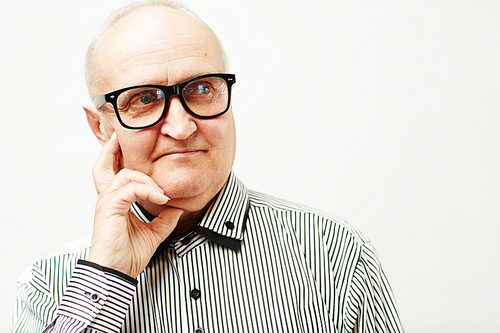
pixel 296 270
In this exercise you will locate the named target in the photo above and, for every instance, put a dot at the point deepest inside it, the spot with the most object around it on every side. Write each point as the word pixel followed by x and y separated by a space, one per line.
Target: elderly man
pixel 179 244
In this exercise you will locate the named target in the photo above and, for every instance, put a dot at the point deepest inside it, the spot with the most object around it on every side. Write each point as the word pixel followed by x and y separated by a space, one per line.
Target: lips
pixel 184 151
pixel 181 152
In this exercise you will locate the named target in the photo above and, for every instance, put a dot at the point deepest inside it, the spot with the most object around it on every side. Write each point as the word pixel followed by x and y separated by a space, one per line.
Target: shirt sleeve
pixel 96 300
pixel 371 306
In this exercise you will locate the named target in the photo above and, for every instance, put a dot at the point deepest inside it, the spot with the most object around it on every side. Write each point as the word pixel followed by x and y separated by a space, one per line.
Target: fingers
pixel 129 186
pixel 108 177
pixel 108 163
pixel 119 201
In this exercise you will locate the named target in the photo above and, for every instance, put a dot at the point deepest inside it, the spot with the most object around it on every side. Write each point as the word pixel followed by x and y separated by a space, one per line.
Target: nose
pixel 178 124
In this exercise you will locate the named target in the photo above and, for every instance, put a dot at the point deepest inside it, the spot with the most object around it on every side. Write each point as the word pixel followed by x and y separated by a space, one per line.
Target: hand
pixel 120 240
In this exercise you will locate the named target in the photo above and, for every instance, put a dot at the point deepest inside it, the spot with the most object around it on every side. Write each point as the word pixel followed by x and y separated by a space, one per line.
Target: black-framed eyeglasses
pixel 205 97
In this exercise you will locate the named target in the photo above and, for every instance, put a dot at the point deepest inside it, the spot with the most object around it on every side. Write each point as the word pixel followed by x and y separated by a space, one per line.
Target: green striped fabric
pixel 254 263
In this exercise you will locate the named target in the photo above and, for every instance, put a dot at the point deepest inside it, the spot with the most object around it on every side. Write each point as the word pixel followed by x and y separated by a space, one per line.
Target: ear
pixel 94 118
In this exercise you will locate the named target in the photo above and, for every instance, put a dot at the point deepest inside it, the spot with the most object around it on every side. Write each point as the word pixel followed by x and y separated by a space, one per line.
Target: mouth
pixel 181 153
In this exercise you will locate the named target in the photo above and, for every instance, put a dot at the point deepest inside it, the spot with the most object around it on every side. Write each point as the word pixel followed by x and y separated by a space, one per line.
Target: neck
pixel 187 220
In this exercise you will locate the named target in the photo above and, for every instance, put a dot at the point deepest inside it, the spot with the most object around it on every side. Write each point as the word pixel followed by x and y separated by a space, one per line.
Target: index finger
pixel 107 164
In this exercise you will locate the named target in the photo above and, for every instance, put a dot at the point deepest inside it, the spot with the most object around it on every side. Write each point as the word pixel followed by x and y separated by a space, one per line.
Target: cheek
pixel 136 147
pixel 224 139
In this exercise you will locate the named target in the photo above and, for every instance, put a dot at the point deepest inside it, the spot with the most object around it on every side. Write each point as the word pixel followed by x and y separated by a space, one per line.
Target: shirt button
pixel 94 297
pixel 195 294
pixel 186 240
pixel 229 225
pixel 198 330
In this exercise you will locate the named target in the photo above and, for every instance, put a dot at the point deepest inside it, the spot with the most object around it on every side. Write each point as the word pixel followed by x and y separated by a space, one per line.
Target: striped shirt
pixel 253 263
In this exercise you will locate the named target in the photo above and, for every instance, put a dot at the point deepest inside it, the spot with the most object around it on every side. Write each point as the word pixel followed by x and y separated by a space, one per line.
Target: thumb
pixel 165 223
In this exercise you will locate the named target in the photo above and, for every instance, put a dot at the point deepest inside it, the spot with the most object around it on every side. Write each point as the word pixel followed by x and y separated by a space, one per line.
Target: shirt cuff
pixel 97 296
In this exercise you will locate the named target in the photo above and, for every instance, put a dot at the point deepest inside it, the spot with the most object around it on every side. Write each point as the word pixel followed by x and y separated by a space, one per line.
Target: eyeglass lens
pixel 143 106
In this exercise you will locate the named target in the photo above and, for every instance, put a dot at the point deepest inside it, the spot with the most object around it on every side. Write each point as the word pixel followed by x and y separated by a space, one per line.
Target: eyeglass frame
pixel 168 91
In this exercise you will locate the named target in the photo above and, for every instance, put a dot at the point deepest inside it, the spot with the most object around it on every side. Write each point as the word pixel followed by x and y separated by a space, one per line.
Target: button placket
pixel 195 295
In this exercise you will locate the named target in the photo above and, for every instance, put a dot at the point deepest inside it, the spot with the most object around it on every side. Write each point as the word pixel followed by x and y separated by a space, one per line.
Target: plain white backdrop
pixel 385 113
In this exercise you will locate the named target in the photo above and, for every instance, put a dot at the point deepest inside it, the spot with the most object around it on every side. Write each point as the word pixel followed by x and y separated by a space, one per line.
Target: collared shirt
pixel 253 263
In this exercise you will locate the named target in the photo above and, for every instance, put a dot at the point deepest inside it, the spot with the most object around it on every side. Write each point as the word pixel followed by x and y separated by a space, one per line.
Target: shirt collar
pixel 223 223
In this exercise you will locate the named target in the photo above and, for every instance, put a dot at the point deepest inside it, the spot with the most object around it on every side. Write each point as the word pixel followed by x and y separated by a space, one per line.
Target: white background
pixel 385 113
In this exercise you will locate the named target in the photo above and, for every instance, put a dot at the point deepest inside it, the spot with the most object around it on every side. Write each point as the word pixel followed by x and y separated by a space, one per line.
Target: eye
pixel 198 88
pixel 146 97
pixel 201 89
pixel 140 100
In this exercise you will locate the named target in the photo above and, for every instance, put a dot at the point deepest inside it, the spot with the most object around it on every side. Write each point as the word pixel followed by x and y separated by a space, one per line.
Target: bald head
pixel 151 26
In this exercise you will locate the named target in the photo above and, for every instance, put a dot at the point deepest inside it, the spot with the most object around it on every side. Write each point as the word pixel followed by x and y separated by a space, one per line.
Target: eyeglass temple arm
pixel 99 101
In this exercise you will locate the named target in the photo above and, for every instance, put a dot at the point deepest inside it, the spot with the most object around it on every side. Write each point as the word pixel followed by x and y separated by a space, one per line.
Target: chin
pixel 186 186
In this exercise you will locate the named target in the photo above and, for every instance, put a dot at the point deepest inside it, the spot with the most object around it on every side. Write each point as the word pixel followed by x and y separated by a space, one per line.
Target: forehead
pixel 156 45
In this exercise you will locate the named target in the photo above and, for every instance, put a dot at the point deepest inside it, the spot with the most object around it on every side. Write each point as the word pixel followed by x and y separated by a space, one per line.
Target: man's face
pixel 189 158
